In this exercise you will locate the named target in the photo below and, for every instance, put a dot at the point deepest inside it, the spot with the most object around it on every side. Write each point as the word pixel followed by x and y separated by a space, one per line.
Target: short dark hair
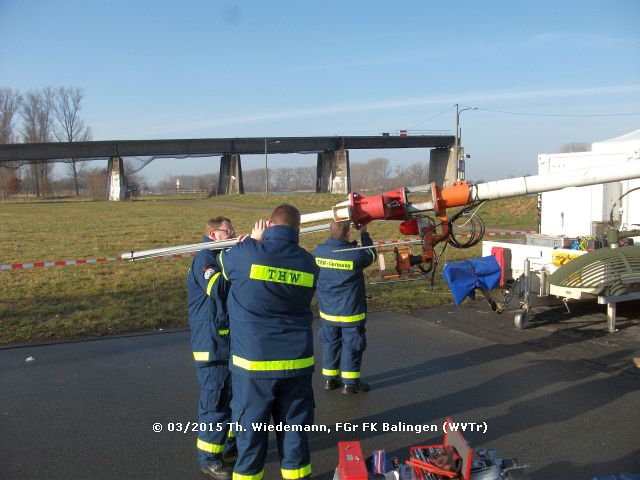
pixel 286 214
pixel 214 223
pixel 340 230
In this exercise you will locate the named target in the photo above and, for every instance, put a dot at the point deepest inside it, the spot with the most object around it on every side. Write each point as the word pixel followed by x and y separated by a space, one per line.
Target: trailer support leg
pixel 611 317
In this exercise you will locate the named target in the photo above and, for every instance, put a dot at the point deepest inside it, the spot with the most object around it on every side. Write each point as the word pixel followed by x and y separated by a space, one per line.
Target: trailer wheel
pixel 520 320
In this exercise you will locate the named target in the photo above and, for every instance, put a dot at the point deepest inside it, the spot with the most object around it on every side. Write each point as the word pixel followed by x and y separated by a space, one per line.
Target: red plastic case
pixel 351 461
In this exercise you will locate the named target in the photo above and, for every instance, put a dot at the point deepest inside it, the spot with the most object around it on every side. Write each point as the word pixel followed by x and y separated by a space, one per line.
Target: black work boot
pixel 217 470
pixel 351 388
pixel 332 384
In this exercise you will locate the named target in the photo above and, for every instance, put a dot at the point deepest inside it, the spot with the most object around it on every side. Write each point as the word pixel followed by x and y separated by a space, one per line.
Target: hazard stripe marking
pixel 83 261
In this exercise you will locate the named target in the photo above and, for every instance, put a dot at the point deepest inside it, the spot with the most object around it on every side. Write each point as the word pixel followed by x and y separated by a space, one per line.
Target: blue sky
pixel 206 69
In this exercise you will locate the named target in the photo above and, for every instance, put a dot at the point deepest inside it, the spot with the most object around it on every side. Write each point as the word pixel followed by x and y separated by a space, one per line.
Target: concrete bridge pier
pixel 230 178
pixel 115 179
pixel 443 167
pixel 333 175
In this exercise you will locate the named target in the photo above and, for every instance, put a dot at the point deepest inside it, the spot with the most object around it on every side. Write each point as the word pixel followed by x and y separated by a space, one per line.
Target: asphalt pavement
pixel 562 396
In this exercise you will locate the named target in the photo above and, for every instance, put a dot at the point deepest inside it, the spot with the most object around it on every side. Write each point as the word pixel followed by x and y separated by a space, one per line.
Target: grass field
pixel 114 297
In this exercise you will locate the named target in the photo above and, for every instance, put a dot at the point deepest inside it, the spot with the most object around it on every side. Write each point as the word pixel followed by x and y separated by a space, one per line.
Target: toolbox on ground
pixel 453 450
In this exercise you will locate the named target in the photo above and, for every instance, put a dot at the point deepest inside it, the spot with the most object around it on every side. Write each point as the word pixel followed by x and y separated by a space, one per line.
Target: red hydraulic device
pixel 394 205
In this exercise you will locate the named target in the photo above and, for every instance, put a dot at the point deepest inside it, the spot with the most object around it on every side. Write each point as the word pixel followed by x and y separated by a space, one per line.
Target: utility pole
pixel 266 168
pixel 457 143
pixel 266 163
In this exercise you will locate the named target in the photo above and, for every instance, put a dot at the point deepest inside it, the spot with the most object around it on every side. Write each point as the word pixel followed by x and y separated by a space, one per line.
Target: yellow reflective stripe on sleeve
pixel 201 356
pixel 330 373
pixel 281 275
pixel 268 365
pixel 345 318
pixel 297 473
pixel 230 434
pixel 211 282
pixel 350 374
pixel 239 476
pixel 222 266
pixel 336 264
pixel 223 332
pixel 209 447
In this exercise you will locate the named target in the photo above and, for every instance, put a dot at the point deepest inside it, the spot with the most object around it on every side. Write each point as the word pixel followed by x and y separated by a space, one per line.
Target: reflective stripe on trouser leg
pixel 354 343
pixel 214 409
pixel 296 473
pixel 350 375
pixel 294 407
pixel 331 339
pixel 209 447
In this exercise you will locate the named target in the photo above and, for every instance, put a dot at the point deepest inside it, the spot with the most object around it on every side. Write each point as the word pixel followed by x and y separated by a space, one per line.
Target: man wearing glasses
pixel 207 294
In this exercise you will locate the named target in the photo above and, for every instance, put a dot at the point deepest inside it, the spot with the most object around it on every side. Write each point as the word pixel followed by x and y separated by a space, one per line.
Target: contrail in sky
pixel 418 102
pixel 432 100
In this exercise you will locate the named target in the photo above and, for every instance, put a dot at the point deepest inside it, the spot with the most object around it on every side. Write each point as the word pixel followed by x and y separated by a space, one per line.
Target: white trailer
pixel 570 215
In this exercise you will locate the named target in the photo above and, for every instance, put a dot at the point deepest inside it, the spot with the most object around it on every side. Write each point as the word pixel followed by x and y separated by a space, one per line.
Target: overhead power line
pixel 560 114
pixel 506 112
pixel 431 118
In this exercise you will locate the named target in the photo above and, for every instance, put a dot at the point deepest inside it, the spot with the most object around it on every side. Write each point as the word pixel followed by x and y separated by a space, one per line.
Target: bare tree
pixel 380 169
pixel 253 180
pixel 10 101
pixel 37 110
pixel 303 178
pixel 95 181
pixel 402 177
pixel 417 174
pixel 207 182
pixel 12 185
pixel 360 176
pixel 69 126
pixel 134 181
pixel 282 178
pixel 575 147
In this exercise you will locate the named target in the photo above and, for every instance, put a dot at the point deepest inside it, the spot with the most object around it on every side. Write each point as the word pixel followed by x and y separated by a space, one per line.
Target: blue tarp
pixel 465 276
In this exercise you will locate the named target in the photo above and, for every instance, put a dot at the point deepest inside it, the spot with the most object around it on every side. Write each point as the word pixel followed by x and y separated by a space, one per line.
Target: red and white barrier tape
pixel 62 263
pixel 20 266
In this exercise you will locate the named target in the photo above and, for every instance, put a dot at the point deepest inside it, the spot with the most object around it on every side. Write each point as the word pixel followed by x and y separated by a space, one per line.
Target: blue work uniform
pixel 343 306
pixel 207 293
pixel 272 284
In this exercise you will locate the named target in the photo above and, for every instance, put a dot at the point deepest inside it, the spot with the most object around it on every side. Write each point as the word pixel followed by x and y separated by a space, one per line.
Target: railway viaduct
pixel 332 164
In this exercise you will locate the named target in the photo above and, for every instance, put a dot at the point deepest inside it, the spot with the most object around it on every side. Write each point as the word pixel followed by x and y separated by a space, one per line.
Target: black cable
pixel 477 227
